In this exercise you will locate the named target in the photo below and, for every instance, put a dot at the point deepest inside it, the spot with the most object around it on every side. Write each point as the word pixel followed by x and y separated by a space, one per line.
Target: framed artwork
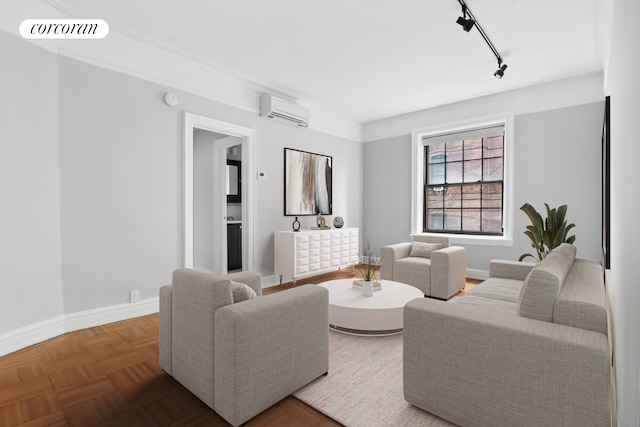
pixel 307 183
pixel 606 185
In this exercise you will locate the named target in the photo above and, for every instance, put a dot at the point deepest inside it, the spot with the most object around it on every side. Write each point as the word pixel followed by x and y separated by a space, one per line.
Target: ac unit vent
pixel 284 111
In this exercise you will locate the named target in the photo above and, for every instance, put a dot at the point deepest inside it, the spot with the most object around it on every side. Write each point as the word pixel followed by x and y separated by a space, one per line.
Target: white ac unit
pixel 284 111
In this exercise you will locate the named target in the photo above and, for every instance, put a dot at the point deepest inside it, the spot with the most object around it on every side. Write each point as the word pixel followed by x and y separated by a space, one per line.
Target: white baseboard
pixel 473 273
pixel 269 281
pixel 29 335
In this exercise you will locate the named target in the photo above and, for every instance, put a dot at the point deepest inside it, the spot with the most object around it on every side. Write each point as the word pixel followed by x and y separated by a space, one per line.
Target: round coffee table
pixel 381 314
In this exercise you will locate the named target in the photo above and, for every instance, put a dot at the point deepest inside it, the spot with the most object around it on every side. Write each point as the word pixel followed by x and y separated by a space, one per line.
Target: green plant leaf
pixel 549 233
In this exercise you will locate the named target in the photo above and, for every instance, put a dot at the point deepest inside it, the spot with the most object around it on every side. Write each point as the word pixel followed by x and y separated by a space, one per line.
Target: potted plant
pixel 370 262
pixel 548 234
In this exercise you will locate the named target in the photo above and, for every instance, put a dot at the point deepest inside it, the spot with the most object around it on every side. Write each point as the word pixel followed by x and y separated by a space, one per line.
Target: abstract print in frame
pixel 307 183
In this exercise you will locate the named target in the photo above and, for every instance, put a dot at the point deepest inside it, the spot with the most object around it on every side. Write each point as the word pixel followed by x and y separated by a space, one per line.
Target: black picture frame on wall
pixel 308 181
pixel 606 184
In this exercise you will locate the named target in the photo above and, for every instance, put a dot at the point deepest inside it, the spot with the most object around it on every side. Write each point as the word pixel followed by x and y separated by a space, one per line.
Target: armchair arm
pixel 250 278
pixel 508 370
pixel 507 269
pixel 267 348
pixel 448 271
pixel 389 255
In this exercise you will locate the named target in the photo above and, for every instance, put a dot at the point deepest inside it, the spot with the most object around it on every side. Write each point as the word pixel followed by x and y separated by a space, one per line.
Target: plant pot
pixel 367 288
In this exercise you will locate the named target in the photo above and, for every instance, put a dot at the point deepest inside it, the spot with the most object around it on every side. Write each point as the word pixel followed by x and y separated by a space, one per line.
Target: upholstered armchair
pixel 235 350
pixel 429 263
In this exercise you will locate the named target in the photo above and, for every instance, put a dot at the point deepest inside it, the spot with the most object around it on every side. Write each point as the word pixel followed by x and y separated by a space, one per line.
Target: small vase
pixel 296 225
pixel 367 288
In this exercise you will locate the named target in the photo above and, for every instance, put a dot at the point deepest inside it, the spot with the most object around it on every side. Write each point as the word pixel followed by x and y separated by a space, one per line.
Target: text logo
pixel 64 29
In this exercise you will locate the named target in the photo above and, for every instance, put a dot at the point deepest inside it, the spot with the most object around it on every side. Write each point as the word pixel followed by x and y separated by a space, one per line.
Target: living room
pixel 93 172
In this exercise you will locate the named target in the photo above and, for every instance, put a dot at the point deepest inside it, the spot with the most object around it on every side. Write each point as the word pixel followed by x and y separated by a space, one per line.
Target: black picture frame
pixel 308 179
pixel 606 184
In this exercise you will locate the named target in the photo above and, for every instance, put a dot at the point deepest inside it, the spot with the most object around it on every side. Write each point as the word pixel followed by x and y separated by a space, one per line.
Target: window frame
pixel 418 171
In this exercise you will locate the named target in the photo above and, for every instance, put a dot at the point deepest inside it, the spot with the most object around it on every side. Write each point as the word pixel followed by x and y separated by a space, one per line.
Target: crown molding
pixel 545 96
pixel 140 57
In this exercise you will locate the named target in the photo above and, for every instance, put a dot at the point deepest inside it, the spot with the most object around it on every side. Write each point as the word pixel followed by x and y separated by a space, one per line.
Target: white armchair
pixel 429 263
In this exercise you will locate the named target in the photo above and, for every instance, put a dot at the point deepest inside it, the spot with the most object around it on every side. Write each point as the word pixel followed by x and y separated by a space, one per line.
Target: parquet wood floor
pixel 109 376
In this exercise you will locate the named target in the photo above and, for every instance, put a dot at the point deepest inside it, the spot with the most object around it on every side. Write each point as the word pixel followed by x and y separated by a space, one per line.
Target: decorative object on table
pixel 296 225
pixel 377 285
pixel 321 222
pixel 549 234
pixel 338 222
pixel 370 262
pixel 307 183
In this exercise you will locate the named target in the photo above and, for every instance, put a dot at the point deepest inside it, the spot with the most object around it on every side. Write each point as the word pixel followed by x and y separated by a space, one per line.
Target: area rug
pixel 364 385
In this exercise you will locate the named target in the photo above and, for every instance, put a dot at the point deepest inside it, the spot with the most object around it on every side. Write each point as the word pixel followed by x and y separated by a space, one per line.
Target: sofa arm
pixel 267 348
pixel 506 269
pixel 478 367
pixel 389 255
pixel 448 271
pixel 250 278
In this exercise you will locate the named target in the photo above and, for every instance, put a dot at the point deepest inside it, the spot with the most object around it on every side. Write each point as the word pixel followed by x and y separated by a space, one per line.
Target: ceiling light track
pixel 468 21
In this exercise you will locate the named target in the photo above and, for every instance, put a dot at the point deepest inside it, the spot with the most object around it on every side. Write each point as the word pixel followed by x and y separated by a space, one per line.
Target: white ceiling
pixel 368 59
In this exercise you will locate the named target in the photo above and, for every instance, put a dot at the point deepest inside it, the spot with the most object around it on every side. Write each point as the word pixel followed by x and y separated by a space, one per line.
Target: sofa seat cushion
pixel 490 304
pixel 582 300
pixel 415 271
pixel 499 289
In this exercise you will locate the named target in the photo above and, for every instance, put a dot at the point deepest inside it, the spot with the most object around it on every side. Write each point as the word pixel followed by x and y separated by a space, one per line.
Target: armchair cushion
pixel 423 249
pixel 242 292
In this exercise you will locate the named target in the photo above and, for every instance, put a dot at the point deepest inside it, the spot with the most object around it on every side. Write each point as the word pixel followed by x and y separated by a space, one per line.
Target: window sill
pixel 472 240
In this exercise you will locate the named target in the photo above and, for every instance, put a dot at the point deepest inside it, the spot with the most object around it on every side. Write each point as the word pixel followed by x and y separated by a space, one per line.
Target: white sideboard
pixel 305 253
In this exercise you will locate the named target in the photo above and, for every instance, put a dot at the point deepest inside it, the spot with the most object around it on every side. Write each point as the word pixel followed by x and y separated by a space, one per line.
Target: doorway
pixel 218 214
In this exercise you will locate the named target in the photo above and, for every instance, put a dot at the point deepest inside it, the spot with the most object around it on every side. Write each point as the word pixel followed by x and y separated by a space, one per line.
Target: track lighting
pixel 467 24
pixel 500 71
pixel 468 21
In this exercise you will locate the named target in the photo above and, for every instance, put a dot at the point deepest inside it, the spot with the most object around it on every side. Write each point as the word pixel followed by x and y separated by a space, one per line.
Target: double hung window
pixel 463 191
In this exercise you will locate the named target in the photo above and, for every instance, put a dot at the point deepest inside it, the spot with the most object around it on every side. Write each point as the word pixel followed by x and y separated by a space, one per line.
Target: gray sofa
pixel 240 358
pixel 527 347
pixel 439 271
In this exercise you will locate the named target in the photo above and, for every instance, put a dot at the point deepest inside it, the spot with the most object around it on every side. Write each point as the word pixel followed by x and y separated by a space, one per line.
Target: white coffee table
pixel 381 314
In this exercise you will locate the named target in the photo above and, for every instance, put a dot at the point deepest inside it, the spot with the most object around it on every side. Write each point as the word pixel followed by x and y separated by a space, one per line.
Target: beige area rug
pixel 364 385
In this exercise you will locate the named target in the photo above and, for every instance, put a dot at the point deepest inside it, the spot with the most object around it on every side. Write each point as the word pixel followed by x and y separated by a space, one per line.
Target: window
pixel 461 178
pixel 464 182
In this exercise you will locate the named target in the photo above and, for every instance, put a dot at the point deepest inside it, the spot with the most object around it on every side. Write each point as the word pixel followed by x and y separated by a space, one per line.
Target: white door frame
pixel 247 135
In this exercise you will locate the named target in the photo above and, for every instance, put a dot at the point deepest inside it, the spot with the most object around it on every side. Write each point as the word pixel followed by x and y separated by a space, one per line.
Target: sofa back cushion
pixel 582 301
pixel 542 285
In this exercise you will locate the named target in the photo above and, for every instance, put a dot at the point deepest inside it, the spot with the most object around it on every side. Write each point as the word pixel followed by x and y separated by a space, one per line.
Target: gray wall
pixel 203 200
pixel 556 160
pixel 30 272
pixel 623 86
pixel 94 205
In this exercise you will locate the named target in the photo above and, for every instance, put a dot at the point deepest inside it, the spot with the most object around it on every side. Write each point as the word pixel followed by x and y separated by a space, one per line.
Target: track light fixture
pixel 468 21
pixel 500 71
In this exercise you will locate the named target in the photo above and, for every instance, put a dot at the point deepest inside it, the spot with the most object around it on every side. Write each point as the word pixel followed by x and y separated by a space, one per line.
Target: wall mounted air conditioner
pixel 284 111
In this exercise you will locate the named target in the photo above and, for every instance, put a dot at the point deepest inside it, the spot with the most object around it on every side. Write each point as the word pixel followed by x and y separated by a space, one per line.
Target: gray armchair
pixel 241 358
pixel 438 271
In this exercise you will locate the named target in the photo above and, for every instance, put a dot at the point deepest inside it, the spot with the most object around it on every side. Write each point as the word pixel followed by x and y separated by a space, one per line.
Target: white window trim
pixel 417 178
